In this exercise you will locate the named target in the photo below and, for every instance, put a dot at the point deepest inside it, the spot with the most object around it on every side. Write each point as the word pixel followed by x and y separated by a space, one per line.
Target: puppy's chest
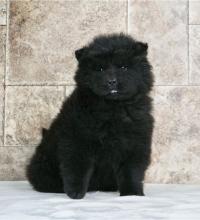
pixel 117 125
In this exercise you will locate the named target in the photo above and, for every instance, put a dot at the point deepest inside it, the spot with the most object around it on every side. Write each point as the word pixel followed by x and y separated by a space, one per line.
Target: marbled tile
pixel 1 114
pixel 2 53
pixel 163 24
pixel 194 54
pixel 194 11
pixel 2 12
pixel 43 36
pixel 176 145
pixel 2 72
pixel 27 110
pixel 13 161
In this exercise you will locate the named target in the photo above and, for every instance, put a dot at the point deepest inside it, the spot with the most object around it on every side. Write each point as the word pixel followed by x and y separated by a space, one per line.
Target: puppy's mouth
pixel 113 91
pixel 114 94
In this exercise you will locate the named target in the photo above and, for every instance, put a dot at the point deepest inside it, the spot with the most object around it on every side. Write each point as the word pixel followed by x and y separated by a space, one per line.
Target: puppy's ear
pixel 79 53
pixel 140 49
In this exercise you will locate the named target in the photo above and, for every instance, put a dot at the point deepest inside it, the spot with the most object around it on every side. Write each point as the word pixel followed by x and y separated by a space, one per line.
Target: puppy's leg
pixel 76 172
pixel 130 179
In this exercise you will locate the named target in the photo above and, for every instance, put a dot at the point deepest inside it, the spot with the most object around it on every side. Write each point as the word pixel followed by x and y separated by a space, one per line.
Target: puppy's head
pixel 114 67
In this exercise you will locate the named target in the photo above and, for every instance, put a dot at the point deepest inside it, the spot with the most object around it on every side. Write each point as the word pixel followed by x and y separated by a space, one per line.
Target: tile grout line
pixel 185 85
pixel 41 85
pixel 127 16
pixel 4 86
pixel 188 40
pixel 72 85
pixel 15 146
pixel 5 69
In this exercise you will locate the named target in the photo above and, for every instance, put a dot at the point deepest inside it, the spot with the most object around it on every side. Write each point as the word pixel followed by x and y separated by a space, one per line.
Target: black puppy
pixel 101 139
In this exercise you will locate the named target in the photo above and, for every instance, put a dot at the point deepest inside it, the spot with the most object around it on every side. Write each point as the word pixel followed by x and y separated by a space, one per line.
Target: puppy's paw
pixel 132 193
pixel 75 192
pixel 76 195
pixel 135 189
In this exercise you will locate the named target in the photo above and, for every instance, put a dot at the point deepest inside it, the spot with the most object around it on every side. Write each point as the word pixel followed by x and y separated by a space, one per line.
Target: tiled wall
pixel 37 43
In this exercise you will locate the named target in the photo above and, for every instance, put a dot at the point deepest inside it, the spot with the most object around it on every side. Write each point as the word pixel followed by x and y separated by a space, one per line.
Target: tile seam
pixel 41 85
pixel 194 24
pixel 186 85
pixel 5 69
pixel 14 146
pixel 188 40
pixel 72 85
pixel 127 16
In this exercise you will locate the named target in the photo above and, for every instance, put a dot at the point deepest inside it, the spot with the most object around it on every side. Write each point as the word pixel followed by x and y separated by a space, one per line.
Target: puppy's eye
pixel 124 68
pixel 100 68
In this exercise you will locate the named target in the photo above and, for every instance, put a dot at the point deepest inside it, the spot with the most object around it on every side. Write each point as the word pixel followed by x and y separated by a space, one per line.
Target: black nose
pixel 112 82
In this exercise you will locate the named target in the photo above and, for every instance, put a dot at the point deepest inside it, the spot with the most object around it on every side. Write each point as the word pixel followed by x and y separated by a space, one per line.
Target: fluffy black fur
pixel 101 139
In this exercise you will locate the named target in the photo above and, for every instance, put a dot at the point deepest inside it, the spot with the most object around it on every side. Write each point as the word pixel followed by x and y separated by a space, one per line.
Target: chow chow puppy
pixel 101 138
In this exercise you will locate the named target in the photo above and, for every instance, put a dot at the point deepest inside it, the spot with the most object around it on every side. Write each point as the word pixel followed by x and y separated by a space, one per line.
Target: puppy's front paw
pixel 132 193
pixel 76 195
pixel 75 192
pixel 135 189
